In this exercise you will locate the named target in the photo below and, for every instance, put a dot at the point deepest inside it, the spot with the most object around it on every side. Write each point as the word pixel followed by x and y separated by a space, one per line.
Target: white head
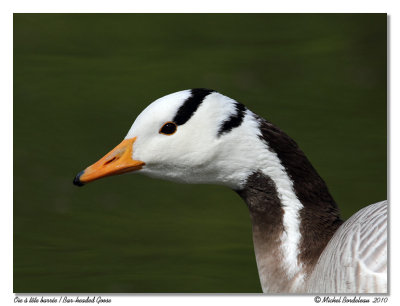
pixel 193 136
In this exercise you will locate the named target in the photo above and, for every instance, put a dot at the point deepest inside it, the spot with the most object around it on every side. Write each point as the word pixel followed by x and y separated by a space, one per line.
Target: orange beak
pixel 117 161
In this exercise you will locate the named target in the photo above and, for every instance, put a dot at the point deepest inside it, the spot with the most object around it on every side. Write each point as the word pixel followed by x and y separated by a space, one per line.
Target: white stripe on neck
pixel 291 220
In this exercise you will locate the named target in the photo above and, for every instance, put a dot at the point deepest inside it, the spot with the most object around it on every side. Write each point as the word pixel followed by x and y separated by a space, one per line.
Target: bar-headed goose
pixel 300 242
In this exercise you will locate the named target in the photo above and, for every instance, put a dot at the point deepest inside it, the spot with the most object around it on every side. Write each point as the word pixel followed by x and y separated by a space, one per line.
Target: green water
pixel 79 82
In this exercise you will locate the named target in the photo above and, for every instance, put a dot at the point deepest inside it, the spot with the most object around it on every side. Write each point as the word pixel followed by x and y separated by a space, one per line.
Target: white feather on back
pixel 356 253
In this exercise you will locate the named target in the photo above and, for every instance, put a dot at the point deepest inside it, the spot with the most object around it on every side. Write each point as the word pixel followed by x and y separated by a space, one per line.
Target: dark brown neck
pixel 266 214
pixel 309 205
pixel 320 216
pixel 266 211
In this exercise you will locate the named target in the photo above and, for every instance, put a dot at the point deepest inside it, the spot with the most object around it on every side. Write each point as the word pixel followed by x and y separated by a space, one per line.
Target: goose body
pixel 356 253
pixel 300 242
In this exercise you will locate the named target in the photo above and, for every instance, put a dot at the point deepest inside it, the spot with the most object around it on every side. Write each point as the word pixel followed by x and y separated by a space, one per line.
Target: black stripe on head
pixel 234 120
pixel 189 107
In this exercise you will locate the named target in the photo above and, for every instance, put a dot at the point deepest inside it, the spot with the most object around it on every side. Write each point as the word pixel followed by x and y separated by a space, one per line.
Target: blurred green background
pixel 81 79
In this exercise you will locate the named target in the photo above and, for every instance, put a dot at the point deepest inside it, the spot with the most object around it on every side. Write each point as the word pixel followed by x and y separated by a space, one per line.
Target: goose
pixel 300 242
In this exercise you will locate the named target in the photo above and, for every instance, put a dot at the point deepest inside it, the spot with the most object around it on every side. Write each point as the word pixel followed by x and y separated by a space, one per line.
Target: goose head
pixel 191 136
pixel 202 136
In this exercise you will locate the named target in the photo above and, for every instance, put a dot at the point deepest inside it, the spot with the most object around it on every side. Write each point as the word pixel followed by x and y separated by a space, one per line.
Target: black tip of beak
pixel 77 180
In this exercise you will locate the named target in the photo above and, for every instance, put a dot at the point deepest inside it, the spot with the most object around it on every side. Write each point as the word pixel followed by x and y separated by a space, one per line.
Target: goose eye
pixel 168 128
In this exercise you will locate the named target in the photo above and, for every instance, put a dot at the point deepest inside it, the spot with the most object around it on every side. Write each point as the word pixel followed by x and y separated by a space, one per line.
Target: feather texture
pixel 355 258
